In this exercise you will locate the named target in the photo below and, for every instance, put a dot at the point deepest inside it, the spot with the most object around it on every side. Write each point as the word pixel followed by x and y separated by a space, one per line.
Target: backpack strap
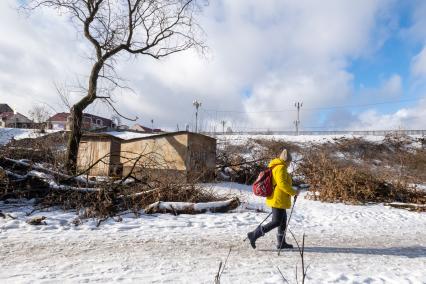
pixel 273 174
pixel 273 167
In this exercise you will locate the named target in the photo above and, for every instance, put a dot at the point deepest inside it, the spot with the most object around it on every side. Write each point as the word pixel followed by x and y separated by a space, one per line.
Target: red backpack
pixel 263 184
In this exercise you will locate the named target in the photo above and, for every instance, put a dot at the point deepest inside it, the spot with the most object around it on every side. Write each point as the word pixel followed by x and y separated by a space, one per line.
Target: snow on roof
pixel 128 135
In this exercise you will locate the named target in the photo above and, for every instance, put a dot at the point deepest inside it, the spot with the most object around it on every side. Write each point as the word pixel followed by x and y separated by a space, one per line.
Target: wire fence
pixel 324 132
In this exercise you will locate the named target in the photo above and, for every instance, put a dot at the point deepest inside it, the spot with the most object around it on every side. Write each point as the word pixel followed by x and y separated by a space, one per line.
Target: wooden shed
pixel 101 154
pixel 178 155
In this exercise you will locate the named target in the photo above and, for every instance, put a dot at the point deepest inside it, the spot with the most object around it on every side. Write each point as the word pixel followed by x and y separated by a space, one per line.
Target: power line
pixel 315 108
pixel 365 105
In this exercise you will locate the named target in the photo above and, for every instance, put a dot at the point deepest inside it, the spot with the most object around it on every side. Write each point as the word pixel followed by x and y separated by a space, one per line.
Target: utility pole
pixel 197 104
pixel 223 122
pixel 298 105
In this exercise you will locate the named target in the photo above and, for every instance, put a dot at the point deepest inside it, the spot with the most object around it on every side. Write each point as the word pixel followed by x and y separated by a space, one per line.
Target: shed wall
pixel 201 158
pixel 166 152
pixel 90 151
pixel 180 155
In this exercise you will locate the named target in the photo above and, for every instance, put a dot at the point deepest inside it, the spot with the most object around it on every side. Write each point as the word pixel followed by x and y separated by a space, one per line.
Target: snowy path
pixel 345 244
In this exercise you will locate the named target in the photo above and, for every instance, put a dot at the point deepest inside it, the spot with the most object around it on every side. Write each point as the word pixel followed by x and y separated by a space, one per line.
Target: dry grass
pixel 396 156
pixel 332 180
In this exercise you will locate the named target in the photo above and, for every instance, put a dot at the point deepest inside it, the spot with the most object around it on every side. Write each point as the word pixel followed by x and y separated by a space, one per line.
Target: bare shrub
pixel 243 163
pixel 272 147
pixel 335 181
pixel 396 156
pixel 415 166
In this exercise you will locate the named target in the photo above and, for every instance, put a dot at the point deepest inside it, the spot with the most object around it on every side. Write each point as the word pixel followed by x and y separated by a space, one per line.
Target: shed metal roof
pixel 133 136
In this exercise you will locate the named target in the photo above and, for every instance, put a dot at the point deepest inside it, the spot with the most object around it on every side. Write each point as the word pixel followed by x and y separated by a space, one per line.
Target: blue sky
pixel 263 57
pixel 394 56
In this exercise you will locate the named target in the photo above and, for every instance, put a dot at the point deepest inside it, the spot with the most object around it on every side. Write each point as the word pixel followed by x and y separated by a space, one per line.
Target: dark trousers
pixel 279 219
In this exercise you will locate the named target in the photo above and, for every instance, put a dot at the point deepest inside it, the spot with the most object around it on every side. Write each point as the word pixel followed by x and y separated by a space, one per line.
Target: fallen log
pixel 408 206
pixel 37 220
pixel 177 208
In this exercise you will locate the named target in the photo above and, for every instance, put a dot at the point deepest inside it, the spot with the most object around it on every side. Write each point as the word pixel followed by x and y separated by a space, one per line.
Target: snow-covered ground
pixel 7 134
pixel 344 244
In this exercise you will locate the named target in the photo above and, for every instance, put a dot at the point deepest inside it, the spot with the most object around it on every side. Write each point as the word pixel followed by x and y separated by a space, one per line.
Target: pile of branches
pixel 102 199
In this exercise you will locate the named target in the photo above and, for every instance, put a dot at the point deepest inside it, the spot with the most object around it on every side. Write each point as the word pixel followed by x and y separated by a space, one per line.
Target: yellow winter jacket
pixel 281 182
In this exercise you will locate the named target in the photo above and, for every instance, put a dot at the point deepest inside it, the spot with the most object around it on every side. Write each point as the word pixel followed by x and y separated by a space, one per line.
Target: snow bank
pixel 242 139
pixel 7 134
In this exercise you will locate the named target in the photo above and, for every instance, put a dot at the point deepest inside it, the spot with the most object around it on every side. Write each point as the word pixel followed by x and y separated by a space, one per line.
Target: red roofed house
pixel 11 119
pixel 15 120
pixel 141 128
pixel 5 108
pixel 61 121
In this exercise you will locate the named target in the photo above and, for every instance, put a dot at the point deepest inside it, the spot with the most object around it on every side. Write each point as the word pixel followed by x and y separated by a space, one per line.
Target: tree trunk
pixel 74 139
pixel 77 119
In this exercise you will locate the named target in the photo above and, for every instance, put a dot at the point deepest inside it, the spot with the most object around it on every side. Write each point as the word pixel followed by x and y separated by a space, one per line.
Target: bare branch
pixel 108 101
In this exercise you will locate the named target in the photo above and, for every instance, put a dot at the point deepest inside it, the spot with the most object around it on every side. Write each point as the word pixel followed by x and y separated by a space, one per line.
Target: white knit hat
pixel 285 156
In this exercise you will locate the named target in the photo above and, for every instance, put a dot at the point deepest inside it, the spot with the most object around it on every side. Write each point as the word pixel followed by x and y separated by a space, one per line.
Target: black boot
pixel 253 236
pixel 281 244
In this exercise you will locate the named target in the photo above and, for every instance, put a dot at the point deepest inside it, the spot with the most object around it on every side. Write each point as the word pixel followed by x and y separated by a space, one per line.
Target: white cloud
pixel 418 64
pixel 35 52
pixel 279 51
pixel 405 118
pixel 417 30
pixel 392 86
pixel 311 45
pixel 389 87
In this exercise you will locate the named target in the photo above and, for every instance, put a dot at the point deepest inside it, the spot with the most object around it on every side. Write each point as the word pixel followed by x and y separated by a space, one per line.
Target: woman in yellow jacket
pixel 279 201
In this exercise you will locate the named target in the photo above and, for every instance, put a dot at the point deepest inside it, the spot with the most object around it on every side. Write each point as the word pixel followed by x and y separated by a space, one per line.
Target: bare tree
pixel 40 114
pixel 156 28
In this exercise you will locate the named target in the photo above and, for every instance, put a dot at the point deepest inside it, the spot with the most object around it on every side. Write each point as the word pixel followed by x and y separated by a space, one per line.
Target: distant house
pixel 144 129
pixel 15 120
pixel 5 108
pixel 62 121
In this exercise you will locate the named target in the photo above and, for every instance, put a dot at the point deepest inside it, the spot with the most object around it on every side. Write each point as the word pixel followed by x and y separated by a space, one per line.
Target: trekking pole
pixel 260 224
pixel 288 222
